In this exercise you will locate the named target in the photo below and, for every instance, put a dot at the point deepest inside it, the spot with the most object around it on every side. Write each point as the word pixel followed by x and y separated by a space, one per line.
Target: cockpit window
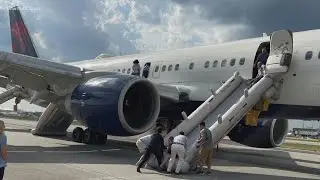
pixel 308 55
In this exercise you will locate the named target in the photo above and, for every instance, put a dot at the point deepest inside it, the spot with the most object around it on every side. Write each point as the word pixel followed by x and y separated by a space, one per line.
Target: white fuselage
pixel 301 83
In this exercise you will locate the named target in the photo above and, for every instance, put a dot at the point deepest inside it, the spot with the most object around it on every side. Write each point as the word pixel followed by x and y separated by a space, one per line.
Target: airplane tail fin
pixel 20 38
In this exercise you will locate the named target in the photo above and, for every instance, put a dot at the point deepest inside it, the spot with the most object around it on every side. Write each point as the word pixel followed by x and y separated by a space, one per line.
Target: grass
pixel 301 139
pixel 301 146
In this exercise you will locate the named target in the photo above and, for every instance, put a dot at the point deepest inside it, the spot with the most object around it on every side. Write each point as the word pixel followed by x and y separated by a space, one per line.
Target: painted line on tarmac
pixel 67 152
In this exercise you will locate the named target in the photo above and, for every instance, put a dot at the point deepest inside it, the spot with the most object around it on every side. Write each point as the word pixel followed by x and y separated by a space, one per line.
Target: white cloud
pixel 39 40
pixel 58 59
pixel 159 24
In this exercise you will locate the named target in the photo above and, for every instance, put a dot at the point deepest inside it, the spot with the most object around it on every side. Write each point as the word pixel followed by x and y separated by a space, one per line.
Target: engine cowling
pixel 268 134
pixel 120 105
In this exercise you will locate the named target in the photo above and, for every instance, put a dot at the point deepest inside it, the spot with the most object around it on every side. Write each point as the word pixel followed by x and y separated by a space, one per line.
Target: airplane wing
pixel 37 74
pixel 42 75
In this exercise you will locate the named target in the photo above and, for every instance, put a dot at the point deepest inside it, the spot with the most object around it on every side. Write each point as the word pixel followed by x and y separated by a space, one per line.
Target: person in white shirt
pixel 136 68
pixel 178 147
pixel 142 143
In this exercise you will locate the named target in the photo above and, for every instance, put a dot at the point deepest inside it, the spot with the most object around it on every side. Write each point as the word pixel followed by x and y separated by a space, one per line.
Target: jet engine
pixel 268 134
pixel 120 105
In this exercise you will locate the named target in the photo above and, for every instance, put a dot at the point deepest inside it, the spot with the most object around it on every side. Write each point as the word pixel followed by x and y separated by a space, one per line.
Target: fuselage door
pixel 281 50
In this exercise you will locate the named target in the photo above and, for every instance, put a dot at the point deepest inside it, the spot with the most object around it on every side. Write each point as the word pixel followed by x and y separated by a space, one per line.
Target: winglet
pixel 20 38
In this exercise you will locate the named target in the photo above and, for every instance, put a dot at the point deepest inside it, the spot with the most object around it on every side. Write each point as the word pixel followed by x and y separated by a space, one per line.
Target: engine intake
pixel 269 134
pixel 120 105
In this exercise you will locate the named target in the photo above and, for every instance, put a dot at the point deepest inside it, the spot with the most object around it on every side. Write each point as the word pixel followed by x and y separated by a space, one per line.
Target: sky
pixel 66 31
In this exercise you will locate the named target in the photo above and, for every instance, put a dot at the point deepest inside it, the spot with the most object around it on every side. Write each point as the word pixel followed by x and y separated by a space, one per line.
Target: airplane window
pixel 242 60
pixel 170 67
pixel 191 65
pixel 232 62
pixel 123 70
pixel 156 69
pixel 128 71
pixel 319 55
pixel 176 67
pixel 308 55
pixel 206 65
pixel 164 68
pixel 215 63
pixel 223 63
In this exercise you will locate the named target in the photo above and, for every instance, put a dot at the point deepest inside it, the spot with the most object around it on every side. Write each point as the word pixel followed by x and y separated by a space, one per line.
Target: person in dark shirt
pixel 262 58
pixel 145 72
pixel 167 156
pixel 155 147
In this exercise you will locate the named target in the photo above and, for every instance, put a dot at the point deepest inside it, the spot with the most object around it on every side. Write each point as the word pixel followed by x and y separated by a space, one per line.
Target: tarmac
pixel 50 158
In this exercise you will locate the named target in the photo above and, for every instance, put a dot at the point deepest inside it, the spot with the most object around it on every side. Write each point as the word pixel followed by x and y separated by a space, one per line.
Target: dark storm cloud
pixel 261 15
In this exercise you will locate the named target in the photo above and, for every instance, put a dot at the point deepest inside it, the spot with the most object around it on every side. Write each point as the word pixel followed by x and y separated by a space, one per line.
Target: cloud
pixel 84 29
pixel 261 16
pixel 157 25
pixel 38 38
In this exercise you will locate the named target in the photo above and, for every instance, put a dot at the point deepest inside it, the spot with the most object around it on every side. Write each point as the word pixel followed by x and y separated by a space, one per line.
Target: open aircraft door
pixel 281 50
pixel 156 69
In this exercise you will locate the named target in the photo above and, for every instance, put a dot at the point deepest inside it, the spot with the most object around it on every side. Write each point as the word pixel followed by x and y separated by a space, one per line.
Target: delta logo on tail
pixel 20 37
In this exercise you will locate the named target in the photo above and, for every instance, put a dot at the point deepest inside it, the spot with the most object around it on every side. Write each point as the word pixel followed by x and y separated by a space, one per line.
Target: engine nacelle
pixel 120 105
pixel 268 134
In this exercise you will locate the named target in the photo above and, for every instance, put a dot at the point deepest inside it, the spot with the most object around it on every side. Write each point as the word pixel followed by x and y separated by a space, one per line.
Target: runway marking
pixel 84 151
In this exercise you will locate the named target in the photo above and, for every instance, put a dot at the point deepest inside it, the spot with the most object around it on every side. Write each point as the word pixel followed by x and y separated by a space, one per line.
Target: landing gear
pixel 77 134
pixel 88 136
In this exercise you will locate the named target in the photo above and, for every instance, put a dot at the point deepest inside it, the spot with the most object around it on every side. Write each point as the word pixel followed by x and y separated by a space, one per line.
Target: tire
pixel 77 135
pixel 88 136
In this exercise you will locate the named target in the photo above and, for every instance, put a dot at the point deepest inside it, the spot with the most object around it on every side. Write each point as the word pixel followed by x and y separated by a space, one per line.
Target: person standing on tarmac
pixel 142 144
pixel 179 147
pixel 206 148
pixel 167 156
pixel 3 147
pixel 155 147
pixel 136 68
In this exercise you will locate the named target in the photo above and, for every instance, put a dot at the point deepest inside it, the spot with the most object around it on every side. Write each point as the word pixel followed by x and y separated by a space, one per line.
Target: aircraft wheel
pixel 88 136
pixel 77 134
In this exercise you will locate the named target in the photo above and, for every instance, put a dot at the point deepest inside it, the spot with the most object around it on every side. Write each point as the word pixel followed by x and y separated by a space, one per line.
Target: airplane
pixel 103 96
